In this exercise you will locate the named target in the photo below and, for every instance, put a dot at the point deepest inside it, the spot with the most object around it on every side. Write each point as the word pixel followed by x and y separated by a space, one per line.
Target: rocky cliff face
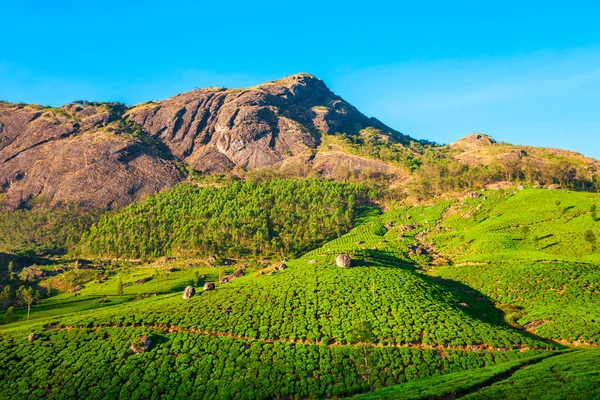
pixel 216 129
pixel 97 154
pixel 76 153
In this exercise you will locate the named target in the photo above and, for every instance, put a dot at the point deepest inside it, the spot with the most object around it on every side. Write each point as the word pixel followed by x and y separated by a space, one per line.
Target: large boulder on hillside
pixel 141 344
pixel 33 337
pixel 188 292
pixel 209 286
pixel 343 260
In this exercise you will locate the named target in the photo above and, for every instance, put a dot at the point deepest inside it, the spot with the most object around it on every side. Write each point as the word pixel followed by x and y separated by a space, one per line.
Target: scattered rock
pixel 502 185
pixel 237 274
pixel 141 345
pixel 33 336
pixel 532 326
pixel 211 260
pixel 465 305
pixel 226 310
pixel 104 301
pixel 472 195
pixel 419 249
pixel 225 280
pixel 312 262
pixel 76 289
pixel 127 284
pixel 209 286
pixel 553 187
pixel 343 260
pixel 359 242
pixel 144 280
pixel 271 273
pixel 188 292
pixel 281 267
pixel 389 225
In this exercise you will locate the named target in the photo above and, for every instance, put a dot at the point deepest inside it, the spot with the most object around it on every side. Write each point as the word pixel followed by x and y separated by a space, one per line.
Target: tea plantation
pixel 453 298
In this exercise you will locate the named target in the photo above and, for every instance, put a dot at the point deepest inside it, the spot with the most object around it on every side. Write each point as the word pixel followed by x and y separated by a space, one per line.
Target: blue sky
pixel 523 72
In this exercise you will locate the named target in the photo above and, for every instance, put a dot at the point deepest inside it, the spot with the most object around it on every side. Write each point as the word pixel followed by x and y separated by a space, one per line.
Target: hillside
pixel 107 155
pixel 308 328
pixel 274 242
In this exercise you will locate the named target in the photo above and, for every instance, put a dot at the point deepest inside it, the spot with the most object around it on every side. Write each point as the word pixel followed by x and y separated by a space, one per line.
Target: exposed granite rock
pixel 343 260
pixel 87 152
pixel 76 154
pixel 188 292
pixel 216 129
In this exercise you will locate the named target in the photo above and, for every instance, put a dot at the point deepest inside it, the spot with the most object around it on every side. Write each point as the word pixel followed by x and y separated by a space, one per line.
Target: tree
pixel 119 287
pixel 7 295
pixel 525 231
pixel 27 296
pixel 590 237
pixel 9 315
pixel 362 334
pixel 11 270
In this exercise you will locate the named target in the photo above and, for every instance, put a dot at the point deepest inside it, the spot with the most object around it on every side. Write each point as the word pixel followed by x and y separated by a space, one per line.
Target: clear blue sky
pixel 525 72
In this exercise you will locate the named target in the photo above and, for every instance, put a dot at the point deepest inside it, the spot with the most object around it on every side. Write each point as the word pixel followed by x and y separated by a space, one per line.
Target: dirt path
pixel 175 329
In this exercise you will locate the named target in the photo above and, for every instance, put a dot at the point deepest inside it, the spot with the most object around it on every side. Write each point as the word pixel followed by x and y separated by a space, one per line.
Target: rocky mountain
pixel 108 155
pixel 216 129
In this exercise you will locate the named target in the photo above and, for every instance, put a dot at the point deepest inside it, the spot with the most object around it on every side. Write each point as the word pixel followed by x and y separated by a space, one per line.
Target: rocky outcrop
pixel 216 129
pixel 108 155
pixel 76 153
pixel 343 260
pixel 188 292
pixel 141 345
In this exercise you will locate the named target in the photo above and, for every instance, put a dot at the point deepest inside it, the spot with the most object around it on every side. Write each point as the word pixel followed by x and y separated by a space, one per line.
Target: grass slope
pixel 528 252
pixel 289 334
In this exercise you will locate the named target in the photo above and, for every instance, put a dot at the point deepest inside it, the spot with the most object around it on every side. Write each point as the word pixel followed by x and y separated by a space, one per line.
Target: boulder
pixel 281 266
pixel 141 345
pixel 419 249
pixel 237 274
pixel 209 286
pixel 472 195
pixel 76 289
pixel 33 336
pixel 343 260
pixel 553 187
pixel 312 262
pixel 188 292
pixel 144 280
pixel 211 260
pixel 225 280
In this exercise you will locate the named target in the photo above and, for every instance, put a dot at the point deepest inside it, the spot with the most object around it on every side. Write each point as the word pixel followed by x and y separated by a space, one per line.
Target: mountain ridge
pixel 108 155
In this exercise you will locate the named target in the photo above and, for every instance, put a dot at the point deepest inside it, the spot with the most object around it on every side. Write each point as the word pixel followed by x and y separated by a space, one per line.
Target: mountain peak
pixel 475 140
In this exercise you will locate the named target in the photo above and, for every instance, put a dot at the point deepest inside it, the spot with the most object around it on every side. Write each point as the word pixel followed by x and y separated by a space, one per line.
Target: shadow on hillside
pixel 465 298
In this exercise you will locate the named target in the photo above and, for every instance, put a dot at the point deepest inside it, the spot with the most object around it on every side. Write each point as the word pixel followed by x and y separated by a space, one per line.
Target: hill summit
pixel 107 154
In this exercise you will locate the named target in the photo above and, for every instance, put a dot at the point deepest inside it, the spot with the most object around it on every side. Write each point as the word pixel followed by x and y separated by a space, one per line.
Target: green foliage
pixel 570 376
pixel 119 287
pixel 9 315
pixel 550 282
pixel 44 230
pixel 450 385
pixel 98 363
pixel 276 217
